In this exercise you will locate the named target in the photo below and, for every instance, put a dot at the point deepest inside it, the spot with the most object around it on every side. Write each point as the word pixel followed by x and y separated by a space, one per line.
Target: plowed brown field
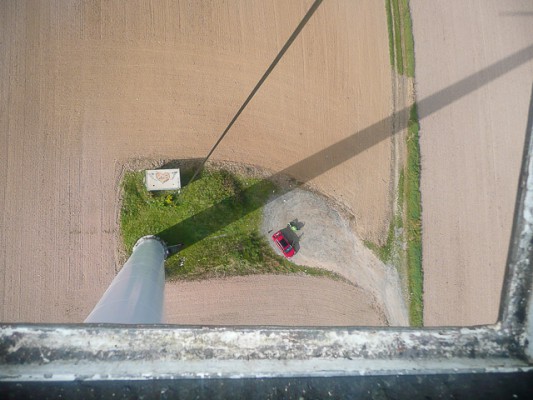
pixel 474 63
pixel 87 86
pixel 295 301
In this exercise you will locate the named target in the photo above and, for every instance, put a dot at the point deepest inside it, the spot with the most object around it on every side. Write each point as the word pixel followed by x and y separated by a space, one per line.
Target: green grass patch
pixel 408 40
pixel 398 48
pixel 386 253
pixel 414 220
pixel 392 252
pixel 217 217
pixel 382 252
pixel 401 43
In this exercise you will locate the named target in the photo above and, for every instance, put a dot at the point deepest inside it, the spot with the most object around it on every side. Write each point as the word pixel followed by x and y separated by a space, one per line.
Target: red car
pixel 284 245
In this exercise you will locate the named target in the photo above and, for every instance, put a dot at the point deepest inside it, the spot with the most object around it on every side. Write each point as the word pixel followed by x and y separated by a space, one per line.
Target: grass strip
pixel 401 49
pixel 213 249
pixel 408 40
pixel 401 42
pixel 398 49
pixel 414 220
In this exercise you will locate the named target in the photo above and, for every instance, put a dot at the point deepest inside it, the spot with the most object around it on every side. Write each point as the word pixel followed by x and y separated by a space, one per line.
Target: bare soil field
pixel 474 75
pixel 86 87
pixel 296 301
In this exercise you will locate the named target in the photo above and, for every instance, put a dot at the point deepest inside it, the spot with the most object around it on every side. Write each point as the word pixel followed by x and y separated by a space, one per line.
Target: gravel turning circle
pixel 327 240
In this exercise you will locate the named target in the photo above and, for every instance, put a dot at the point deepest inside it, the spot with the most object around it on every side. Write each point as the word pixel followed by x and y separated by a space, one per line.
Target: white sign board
pixel 162 179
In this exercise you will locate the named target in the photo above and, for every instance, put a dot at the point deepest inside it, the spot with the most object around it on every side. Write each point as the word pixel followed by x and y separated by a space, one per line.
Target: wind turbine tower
pixel 136 294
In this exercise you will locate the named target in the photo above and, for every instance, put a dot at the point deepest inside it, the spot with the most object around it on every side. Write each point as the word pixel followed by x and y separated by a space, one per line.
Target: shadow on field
pixel 336 154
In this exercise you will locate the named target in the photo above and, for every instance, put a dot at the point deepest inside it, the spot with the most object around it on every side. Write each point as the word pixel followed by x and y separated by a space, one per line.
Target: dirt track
pixel 472 136
pixel 85 87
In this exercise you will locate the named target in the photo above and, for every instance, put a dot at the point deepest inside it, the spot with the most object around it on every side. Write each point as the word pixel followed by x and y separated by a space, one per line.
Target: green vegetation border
pixel 413 214
pixel 401 43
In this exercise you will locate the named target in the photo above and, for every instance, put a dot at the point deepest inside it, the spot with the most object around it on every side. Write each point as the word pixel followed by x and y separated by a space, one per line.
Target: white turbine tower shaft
pixel 136 294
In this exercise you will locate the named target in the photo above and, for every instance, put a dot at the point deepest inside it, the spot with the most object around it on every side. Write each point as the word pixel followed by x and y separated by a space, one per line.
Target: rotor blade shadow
pixel 334 155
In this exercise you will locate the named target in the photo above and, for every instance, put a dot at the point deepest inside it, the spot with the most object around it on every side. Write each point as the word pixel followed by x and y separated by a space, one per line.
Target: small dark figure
pixel 293 226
